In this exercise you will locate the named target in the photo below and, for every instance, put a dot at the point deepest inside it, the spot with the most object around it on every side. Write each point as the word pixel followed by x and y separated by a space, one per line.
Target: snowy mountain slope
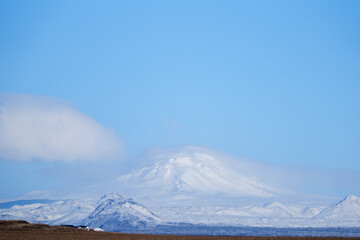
pixel 189 171
pixel 116 212
pixel 273 214
pixel 19 212
pixel 273 209
pixel 346 209
pixel 59 212
pixel 74 216
pixel 310 211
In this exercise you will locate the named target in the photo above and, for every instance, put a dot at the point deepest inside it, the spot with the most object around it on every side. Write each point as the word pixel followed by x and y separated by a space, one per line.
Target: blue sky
pixel 274 81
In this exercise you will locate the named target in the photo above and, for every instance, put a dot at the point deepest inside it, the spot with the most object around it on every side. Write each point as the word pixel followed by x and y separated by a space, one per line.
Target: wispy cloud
pixel 48 129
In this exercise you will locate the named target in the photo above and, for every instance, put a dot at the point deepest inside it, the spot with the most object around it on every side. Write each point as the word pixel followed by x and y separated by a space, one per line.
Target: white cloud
pixel 48 129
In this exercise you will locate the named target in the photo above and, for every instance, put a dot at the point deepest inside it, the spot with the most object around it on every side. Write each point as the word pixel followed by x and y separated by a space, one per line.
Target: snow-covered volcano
pixel 188 171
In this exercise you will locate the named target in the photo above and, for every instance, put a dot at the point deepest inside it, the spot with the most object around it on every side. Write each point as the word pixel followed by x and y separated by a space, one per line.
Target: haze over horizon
pixel 88 89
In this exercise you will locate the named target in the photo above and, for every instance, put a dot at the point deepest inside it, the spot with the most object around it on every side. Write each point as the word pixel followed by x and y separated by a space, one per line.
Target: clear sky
pixel 274 81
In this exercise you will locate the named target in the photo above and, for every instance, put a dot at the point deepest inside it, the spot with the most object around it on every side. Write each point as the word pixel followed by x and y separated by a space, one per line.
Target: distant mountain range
pixel 57 212
pixel 186 187
pixel 114 212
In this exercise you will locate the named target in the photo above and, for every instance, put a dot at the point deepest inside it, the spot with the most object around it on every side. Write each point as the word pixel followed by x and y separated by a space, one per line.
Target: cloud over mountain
pixel 188 170
pixel 48 129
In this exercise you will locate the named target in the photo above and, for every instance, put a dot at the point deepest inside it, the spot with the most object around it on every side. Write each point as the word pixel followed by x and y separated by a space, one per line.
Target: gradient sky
pixel 274 81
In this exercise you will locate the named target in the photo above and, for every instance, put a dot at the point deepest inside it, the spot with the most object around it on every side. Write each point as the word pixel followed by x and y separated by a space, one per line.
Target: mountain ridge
pixel 115 212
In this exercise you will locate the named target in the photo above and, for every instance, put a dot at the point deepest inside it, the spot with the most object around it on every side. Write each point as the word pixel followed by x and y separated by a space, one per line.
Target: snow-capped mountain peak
pixel 191 170
pixel 114 203
pixel 115 211
pixel 350 199
pixel 113 196
pixel 348 208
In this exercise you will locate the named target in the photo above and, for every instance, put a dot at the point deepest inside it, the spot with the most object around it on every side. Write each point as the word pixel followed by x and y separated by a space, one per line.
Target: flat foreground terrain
pixel 23 230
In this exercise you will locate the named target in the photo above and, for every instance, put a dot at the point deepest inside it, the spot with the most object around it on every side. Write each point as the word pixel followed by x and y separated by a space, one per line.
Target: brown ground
pixel 16 230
